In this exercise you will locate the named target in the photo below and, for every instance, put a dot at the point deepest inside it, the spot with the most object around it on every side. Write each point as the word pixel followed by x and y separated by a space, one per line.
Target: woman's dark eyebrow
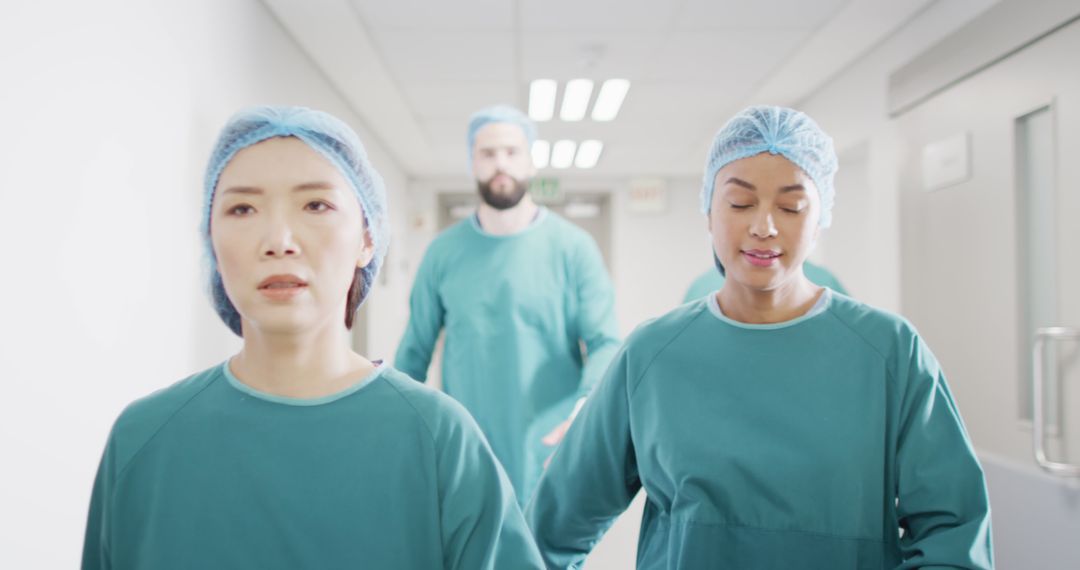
pixel 319 185
pixel 740 182
pixel 242 190
pixel 749 186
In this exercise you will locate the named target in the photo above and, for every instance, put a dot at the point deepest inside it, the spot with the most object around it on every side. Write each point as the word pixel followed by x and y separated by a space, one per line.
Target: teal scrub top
pixel 806 444
pixel 517 311
pixel 711 281
pixel 210 473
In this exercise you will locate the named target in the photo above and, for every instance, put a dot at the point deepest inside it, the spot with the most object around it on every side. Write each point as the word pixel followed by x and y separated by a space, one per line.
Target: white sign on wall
pixel 946 162
pixel 648 196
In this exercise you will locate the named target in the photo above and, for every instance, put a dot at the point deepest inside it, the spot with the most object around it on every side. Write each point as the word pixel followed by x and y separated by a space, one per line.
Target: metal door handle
pixel 1038 429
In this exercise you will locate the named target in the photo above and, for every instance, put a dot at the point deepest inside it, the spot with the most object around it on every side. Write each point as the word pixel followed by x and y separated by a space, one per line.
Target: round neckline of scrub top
pixel 290 401
pixel 541 216
pixel 819 307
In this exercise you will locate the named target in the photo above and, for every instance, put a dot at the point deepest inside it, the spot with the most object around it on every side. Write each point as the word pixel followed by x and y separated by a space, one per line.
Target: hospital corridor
pixel 653 284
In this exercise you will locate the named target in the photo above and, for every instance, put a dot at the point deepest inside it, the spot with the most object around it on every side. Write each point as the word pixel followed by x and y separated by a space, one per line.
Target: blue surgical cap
pixel 500 114
pixel 777 130
pixel 331 138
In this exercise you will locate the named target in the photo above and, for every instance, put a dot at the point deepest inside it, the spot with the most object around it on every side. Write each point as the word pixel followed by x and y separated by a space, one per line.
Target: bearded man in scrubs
pixel 525 301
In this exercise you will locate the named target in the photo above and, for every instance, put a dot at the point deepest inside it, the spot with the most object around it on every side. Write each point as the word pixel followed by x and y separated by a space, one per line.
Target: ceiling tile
pixel 458 100
pixel 447 56
pixel 596 55
pixel 736 57
pixel 651 99
pixel 437 16
pixel 597 15
pixel 762 15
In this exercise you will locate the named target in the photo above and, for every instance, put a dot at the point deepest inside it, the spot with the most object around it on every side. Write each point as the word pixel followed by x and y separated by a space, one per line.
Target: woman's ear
pixel 367 252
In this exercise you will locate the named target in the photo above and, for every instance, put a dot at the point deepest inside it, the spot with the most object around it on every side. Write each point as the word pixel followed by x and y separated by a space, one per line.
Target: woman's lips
pixel 282 287
pixel 282 293
pixel 761 258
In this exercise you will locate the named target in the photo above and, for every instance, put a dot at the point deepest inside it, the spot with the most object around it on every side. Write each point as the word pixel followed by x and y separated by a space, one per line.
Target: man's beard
pixel 499 200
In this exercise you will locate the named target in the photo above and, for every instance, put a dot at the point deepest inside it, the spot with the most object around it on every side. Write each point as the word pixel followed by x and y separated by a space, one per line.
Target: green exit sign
pixel 547 191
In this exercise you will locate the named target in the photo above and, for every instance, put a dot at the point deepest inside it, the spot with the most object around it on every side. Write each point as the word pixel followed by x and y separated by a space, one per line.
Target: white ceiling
pixel 415 70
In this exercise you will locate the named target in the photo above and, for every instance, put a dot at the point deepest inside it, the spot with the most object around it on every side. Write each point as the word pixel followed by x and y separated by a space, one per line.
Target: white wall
pixel 657 256
pixel 863 246
pixel 110 109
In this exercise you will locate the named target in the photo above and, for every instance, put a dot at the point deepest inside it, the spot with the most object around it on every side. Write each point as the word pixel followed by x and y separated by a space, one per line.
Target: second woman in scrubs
pixel 776 424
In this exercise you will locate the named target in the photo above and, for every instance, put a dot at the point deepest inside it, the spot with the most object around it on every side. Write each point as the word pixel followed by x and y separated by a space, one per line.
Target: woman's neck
pixel 309 364
pixel 756 306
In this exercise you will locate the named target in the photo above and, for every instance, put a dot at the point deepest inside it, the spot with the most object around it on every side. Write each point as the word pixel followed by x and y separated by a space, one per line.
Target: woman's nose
pixel 763 226
pixel 279 241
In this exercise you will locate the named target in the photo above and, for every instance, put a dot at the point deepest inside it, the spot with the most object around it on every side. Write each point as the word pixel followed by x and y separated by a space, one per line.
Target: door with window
pixel 990 234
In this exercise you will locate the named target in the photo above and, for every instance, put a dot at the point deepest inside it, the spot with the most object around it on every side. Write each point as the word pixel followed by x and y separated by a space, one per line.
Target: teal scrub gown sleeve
pixel 426 318
pixel 943 505
pixel 95 545
pixel 592 476
pixel 596 323
pixel 483 528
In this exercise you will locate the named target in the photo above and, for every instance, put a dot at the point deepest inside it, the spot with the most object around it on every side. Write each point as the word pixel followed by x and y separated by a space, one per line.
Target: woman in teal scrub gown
pixel 297 452
pixel 776 424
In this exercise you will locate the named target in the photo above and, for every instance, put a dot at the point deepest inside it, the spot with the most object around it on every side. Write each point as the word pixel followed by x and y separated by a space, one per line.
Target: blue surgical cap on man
pixel 328 136
pixel 499 114
pixel 777 130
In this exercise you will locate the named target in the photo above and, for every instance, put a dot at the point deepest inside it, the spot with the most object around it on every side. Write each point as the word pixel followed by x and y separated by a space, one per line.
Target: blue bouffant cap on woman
pixel 331 138
pixel 777 130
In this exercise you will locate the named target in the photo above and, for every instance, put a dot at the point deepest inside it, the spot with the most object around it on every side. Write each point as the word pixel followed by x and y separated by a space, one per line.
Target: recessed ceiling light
pixel 562 154
pixel 541 150
pixel 575 100
pixel 610 99
pixel 542 99
pixel 588 153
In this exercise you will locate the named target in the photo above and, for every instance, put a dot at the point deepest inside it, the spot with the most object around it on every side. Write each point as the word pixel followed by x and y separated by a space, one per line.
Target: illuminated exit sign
pixel 547 191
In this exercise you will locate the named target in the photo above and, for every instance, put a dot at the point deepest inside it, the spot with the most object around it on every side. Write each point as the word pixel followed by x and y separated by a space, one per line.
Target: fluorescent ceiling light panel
pixel 610 99
pixel 562 155
pixel 542 99
pixel 575 101
pixel 588 154
pixel 541 150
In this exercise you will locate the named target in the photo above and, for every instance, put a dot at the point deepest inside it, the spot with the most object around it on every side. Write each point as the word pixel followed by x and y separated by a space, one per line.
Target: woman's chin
pixel 757 280
pixel 281 325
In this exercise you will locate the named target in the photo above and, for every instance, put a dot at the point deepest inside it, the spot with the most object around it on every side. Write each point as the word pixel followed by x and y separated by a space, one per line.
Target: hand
pixel 555 437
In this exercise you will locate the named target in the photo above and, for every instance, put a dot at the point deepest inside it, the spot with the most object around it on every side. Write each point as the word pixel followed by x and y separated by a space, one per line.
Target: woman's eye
pixel 317 206
pixel 740 206
pixel 795 210
pixel 239 210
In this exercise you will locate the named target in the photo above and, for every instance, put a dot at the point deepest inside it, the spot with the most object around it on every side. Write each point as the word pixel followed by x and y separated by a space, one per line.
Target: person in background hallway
pixel 519 291
pixel 775 424
pixel 298 452
pixel 712 280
